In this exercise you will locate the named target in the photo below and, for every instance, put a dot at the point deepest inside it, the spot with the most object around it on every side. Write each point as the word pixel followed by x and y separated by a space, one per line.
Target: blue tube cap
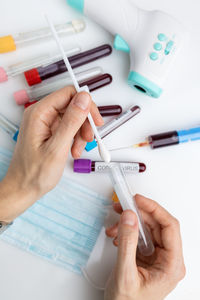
pixel 90 146
pixel 16 136
pixel 144 85
pixel 77 4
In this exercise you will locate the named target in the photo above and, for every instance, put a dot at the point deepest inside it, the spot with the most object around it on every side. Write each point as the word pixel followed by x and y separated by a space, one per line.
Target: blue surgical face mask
pixel 62 227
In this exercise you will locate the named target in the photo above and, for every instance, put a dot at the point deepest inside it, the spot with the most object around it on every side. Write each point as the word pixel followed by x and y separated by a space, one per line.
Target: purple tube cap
pixel 82 166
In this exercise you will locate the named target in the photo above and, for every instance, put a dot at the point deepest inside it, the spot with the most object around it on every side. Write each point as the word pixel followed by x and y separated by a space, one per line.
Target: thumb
pixel 74 117
pixel 128 240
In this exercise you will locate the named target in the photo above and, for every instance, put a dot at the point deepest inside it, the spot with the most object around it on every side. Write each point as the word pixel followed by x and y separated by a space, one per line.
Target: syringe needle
pixel 143 144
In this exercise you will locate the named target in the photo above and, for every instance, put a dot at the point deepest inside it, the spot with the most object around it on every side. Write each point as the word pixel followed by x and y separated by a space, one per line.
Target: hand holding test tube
pixel 145 244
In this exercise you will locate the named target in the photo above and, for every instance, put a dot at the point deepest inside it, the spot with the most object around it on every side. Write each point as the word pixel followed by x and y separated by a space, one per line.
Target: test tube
pixel 86 166
pixel 105 111
pixel 10 43
pixel 114 124
pixel 110 110
pixel 19 68
pixel 9 127
pixel 122 189
pixel 37 75
pixel 93 78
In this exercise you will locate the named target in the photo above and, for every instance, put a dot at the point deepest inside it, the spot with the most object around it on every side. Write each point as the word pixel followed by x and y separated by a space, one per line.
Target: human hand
pixel 145 278
pixel 46 135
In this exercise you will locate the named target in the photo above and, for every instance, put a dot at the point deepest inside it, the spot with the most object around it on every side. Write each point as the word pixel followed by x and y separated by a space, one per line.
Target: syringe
pixel 42 61
pixel 10 43
pixel 121 187
pixel 9 127
pixel 93 77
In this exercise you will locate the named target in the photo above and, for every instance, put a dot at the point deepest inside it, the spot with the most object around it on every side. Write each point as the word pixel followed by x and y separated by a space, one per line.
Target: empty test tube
pixel 44 60
pixel 10 43
pixel 37 75
pixel 121 187
pixel 93 77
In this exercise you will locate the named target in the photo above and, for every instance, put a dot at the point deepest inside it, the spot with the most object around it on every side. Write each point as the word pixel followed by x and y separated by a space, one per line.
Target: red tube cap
pixel 32 77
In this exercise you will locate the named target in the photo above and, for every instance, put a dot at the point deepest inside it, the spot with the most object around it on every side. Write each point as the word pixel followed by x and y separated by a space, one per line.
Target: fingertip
pixel 99 121
pixel 96 115
pixel 78 147
pixel 116 242
pixel 82 100
pixel 112 231
pixel 75 153
pixel 128 217
pixel 86 132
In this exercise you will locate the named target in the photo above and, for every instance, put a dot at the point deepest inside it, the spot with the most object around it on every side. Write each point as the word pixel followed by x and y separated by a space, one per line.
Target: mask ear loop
pixel 94 285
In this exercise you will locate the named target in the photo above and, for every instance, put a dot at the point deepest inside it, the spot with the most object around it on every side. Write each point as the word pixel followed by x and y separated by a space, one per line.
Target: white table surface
pixel 172 176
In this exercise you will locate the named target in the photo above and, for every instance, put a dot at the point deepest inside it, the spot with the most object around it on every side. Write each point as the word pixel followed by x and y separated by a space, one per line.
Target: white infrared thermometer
pixel 153 39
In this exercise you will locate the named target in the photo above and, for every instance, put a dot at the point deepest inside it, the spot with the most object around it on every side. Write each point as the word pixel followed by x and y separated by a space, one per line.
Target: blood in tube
pixel 37 75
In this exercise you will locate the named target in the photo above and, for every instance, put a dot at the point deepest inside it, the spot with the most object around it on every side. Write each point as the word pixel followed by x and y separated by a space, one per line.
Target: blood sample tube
pixel 171 138
pixel 10 43
pixel 105 111
pixel 110 110
pixel 88 166
pixel 37 75
pixel 44 60
pixel 114 124
pixel 92 78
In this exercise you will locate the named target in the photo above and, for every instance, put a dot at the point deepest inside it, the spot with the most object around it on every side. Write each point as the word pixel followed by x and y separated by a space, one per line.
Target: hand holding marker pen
pixel 10 43
pixel 168 139
pixel 104 153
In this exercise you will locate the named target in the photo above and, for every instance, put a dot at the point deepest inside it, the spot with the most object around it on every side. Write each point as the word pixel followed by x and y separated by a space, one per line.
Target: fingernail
pixel 82 100
pixel 128 218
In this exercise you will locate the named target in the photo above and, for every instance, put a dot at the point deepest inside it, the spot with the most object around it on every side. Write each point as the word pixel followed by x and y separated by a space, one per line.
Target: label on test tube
pixel 88 166
pixel 114 124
